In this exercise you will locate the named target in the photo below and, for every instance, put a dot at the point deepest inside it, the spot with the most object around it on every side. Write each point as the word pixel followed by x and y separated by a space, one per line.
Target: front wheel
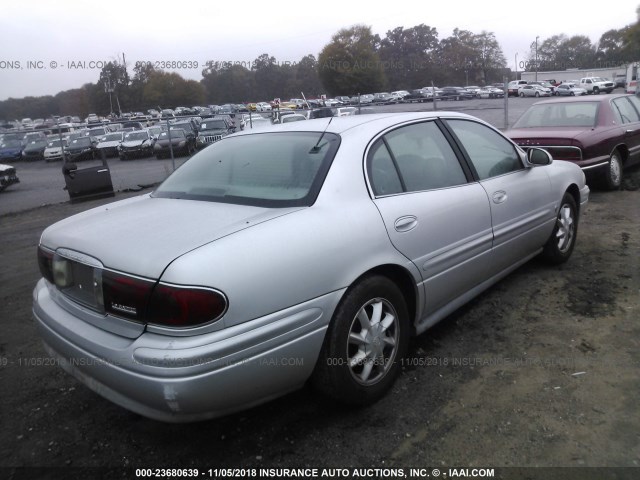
pixel 596 91
pixel 537 94
pixel 563 238
pixel 366 340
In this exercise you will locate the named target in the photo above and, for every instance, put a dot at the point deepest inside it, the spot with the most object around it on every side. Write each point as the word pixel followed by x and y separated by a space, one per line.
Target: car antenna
pixel 316 148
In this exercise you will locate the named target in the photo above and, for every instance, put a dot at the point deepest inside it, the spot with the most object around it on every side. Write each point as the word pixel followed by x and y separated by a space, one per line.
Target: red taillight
pixel 182 306
pixel 45 262
pixel 125 296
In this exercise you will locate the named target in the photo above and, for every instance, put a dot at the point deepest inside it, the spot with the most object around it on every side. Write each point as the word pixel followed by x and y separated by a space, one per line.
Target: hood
pixel 112 143
pixel 10 150
pixel 218 131
pixel 174 141
pixel 73 148
pixel 133 143
pixel 34 148
pixel 142 235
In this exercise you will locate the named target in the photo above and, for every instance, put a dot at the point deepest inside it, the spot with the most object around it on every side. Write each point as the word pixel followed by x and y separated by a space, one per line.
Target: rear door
pixel 434 214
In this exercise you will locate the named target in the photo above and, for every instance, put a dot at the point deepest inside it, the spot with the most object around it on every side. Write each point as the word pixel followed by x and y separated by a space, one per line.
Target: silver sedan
pixel 304 252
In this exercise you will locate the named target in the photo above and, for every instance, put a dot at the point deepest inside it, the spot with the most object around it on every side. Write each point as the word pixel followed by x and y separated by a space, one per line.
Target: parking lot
pixel 42 183
pixel 540 370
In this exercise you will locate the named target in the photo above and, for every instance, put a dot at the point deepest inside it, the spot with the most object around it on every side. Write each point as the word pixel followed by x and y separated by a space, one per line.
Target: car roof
pixel 340 125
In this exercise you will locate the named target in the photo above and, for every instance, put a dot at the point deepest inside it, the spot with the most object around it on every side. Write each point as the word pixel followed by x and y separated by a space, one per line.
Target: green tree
pixel 350 63
pixel 408 56
pixel 560 52
pixel 490 59
pixel 632 40
pixel 171 90
pixel 306 78
pixel 458 59
pixel 611 47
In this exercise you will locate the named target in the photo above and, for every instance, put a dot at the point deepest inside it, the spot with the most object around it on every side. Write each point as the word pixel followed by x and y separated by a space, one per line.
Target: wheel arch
pixel 624 152
pixel 574 191
pixel 405 282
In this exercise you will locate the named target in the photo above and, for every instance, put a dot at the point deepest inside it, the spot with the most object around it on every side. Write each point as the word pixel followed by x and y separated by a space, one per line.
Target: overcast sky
pixel 52 34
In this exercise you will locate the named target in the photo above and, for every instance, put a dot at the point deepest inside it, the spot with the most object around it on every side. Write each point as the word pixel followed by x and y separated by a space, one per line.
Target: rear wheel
pixel 613 175
pixel 366 340
pixel 563 238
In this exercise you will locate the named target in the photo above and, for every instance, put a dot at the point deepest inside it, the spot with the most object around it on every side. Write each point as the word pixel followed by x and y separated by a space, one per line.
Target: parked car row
pixel 546 88
pixel 124 139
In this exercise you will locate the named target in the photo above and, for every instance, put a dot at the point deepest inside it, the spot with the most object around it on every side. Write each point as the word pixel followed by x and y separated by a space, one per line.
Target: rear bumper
pixel 182 379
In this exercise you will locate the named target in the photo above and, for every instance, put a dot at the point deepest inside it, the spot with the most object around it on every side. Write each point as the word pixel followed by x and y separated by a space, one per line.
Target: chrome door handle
pixel 406 223
pixel 499 196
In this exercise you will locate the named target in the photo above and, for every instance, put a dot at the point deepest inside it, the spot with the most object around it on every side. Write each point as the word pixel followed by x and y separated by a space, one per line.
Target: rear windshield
pixel 280 169
pixel 559 114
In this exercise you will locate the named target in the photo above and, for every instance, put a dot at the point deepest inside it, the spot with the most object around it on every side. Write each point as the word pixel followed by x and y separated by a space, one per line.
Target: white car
pixel 54 150
pixel 534 91
pixel 263 107
pixel 570 89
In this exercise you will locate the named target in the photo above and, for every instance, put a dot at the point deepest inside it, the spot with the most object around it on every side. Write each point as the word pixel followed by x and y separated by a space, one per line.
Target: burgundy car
pixel 599 134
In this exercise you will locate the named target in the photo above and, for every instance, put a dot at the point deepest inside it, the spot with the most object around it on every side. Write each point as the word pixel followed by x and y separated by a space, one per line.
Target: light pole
pixel 516 66
pixel 537 58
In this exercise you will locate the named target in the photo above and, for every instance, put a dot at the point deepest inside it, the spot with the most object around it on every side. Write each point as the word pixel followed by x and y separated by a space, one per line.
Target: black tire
pixel 612 179
pixel 361 372
pixel 596 91
pixel 558 248
pixel 572 94
pixel 537 94
pixel 521 95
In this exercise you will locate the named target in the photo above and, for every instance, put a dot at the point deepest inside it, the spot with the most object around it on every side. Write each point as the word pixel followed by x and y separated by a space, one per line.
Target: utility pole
pixel 537 58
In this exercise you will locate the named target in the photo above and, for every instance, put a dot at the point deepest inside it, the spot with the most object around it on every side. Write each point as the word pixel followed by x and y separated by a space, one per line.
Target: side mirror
pixel 538 156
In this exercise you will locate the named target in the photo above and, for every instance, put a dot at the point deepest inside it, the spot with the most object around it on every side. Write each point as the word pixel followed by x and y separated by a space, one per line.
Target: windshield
pixel 81 142
pixel 136 136
pixel 175 133
pixel 55 143
pixel 41 143
pixel 576 114
pixel 213 125
pixel 269 170
pixel 112 137
pixel 11 144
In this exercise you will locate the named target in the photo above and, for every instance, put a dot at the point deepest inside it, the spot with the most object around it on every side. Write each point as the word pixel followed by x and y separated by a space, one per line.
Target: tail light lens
pixel 125 296
pixel 134 298
pixel 185 306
